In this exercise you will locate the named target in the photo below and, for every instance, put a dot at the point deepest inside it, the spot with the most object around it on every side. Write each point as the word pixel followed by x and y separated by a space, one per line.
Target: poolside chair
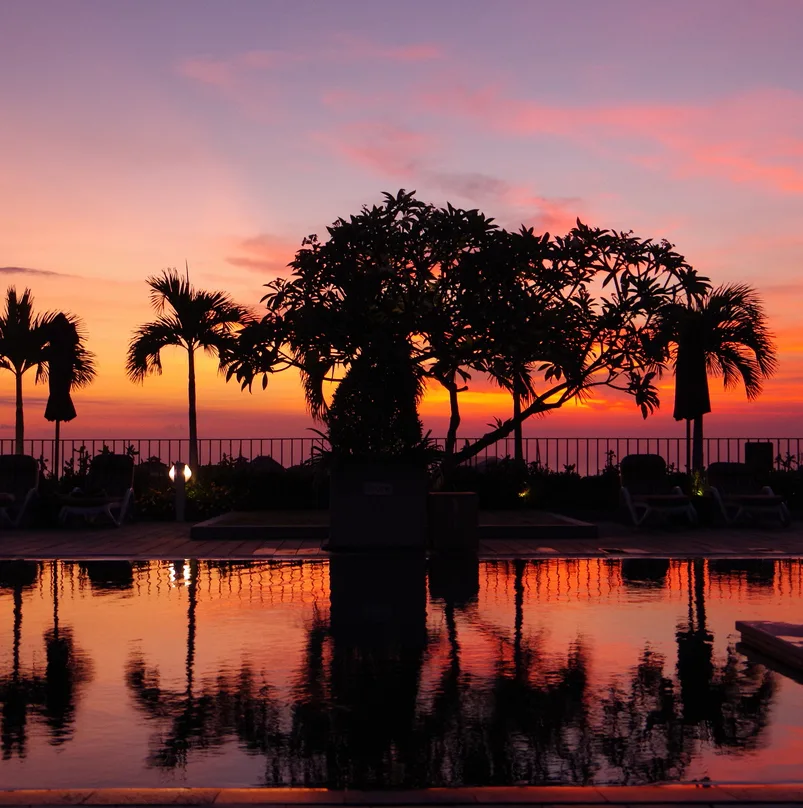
pixel 108 490
pixel 740 497
pixel 19 480
pixel 646 490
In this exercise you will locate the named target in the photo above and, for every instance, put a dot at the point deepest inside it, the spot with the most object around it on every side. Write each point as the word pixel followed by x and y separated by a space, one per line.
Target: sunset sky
pixel 135 136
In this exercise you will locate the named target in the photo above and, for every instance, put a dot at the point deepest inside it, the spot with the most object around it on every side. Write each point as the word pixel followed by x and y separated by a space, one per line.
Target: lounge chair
pixel 739 496
pixel 647 491
pixel 19 480
pixel 108 490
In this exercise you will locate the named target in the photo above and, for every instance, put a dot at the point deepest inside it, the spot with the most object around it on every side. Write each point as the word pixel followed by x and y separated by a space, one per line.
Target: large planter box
pixel 377 506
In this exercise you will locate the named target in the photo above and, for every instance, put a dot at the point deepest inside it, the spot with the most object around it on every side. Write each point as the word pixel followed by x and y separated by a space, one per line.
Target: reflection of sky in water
pixel 246 673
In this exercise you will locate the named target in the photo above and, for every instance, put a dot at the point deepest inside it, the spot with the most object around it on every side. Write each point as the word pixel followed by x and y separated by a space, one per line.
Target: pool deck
pixel 171 540
pixel 734 795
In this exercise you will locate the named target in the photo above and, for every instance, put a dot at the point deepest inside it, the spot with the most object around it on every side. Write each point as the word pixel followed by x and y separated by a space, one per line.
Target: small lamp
pixel 179 474
pixel 174 470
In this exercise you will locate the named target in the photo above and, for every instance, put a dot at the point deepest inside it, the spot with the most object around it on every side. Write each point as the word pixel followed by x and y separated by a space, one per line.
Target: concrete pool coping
pixel 782 641
pixel 153 541
pixel 673 794
pixel 261 525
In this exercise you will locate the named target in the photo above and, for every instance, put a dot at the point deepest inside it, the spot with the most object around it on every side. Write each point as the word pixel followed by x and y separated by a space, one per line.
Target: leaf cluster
pixel 550 317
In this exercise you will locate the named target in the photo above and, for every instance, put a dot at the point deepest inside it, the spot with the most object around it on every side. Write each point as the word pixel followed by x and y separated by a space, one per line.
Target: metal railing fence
pixel 584 455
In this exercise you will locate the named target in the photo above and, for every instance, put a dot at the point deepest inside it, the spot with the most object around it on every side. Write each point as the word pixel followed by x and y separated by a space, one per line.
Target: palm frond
pixel 731 325
pixel 23 334
pixel 144 351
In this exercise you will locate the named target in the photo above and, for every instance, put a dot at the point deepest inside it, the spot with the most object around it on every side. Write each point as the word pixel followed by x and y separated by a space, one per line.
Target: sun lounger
pixel 740 497
pixel 108 491
pixel 19 480
pixel 646 490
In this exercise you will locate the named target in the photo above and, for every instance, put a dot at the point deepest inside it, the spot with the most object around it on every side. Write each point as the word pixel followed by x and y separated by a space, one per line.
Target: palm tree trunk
pixel 518 433
pixel 697 444
pixel 20 420
pixel 192 413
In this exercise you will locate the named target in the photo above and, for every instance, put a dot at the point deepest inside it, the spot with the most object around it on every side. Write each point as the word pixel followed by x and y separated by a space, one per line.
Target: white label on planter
pixel 377 489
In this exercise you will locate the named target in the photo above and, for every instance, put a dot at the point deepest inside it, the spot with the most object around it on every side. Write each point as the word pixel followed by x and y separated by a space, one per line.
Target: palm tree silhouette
pixel 23 345
pixel 189 318
pixel 722 333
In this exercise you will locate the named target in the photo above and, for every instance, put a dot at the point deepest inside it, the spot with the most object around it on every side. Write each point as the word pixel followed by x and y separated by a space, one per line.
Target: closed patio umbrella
pixel 692 399
pixel 61 358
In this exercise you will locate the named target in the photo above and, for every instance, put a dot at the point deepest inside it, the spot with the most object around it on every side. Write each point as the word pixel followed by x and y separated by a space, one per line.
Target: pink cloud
pixel 385 149
pixel 750 139
pixel 212 72
pixel 356 49
pixel 264 253
pixel 222 73
pixel 396 152
pixel 523 205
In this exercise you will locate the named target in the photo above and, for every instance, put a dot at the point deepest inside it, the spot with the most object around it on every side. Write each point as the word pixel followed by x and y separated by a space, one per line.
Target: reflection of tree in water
pixel 200 718
pixel 728 704
pixel 653 731
pixel 356 715
pixel 53 697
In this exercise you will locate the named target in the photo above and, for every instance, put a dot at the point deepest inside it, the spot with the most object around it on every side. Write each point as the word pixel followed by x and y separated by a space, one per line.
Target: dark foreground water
pixel 361 674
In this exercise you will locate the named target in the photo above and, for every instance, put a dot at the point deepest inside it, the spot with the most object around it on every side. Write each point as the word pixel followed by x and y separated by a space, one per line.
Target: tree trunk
pixel 19 432
pixel 193 462
pixel 538 405
pixel 697 459
pixel 454 419
pixel 518 432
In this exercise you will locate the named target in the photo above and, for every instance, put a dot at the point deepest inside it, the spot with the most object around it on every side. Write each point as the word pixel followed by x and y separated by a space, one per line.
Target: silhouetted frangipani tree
pixel 468 297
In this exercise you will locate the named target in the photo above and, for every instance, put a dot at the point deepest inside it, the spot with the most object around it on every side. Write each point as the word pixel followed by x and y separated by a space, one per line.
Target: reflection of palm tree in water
pixel 729 704
pixel 652 732
pixel 695 651
pixel 15 690
pixel 197 721
pixel 67 669
pixel 54 696
pixel 188 728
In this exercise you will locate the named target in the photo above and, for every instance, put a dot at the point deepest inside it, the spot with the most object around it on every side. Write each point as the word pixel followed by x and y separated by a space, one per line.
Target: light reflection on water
pixel 393 674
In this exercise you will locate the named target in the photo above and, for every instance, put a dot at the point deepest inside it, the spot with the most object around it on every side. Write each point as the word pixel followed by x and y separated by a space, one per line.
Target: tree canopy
pixel 551 316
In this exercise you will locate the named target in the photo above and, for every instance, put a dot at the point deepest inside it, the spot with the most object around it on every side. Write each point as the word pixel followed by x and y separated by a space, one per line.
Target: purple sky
pixel 135 135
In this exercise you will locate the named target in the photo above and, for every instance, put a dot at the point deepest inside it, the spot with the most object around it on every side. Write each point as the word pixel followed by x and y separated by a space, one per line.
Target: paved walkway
pixel 171 540
pixel 542 796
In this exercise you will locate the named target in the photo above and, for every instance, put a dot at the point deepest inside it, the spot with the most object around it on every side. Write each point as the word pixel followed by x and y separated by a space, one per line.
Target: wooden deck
pixel 171 540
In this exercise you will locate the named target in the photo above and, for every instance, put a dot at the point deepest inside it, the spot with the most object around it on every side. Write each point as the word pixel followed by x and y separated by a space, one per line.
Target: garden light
pixel 187 471
pixel 179 474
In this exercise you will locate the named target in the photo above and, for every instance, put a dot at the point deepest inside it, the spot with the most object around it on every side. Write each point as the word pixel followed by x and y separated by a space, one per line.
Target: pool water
pixel 360 673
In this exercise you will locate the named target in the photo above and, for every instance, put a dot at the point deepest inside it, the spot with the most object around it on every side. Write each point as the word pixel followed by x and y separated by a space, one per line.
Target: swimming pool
pixel 361 673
